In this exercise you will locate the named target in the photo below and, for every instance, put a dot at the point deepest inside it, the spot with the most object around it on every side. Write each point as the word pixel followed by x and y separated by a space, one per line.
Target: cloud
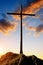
pixel 31 8
pixel 6 26
pixel 30 28
pixel 36 34
pixel 38 16
pixel 37 30
pixel 29 33
pixel 17 17
pixel 34 7
pixel 41 19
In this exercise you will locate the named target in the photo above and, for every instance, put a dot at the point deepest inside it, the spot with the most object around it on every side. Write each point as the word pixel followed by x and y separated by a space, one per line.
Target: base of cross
pixel 20 59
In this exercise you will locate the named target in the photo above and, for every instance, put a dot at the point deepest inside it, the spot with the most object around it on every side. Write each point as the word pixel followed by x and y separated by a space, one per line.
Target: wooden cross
pixel 21 40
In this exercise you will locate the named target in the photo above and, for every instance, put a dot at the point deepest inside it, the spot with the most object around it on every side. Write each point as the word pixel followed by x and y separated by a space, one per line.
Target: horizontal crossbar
pixel 21 14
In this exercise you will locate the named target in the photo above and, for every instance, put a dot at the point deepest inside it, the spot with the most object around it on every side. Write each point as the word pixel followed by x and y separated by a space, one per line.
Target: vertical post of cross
pixel 21 41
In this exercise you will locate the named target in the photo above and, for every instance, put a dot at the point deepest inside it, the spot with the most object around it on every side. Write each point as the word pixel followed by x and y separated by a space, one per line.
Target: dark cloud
pixel 39 28
pixel 6 26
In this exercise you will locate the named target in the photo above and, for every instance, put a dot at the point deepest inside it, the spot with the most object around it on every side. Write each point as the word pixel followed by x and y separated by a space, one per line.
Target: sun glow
pixel 1 52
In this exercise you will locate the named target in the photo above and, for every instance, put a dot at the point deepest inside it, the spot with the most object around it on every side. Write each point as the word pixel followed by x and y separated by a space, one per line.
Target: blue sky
pixel 32 29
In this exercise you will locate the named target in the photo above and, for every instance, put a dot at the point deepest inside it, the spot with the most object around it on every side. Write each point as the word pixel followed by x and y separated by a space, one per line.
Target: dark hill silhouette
pixel 8 57
pixel 19 59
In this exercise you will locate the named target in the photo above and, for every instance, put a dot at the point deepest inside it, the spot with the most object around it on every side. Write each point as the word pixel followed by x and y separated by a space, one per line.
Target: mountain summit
pixel 19 59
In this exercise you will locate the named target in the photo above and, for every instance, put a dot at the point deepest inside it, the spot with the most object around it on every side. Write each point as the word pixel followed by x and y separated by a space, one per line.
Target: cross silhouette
pixel 21 41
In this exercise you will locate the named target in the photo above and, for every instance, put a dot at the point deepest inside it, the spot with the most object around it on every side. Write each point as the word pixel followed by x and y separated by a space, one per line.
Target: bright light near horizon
pixel 1 51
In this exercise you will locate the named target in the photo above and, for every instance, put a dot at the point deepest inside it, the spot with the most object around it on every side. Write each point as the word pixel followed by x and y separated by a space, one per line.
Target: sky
pixel 32 27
